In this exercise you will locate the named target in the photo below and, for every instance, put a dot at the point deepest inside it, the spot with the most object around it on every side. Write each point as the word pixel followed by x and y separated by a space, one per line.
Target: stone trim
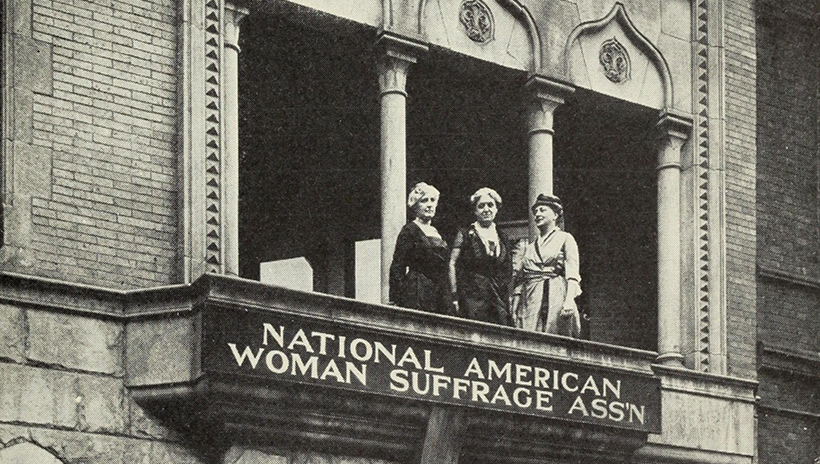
pixel 708 194
pixel 619 15
pixel 775 410
pixel 670 375
pixel 205 186
pixel 788 277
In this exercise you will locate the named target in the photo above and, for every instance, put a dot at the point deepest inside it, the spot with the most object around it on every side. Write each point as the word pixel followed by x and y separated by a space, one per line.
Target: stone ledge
pixel 706 384
pixel 179 300
pixel 789 360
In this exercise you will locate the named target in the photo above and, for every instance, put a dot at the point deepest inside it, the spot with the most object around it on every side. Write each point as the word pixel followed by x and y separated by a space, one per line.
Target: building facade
pixel 165 163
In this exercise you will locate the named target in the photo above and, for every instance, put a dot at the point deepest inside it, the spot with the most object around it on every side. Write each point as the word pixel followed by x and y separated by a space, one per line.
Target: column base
pixel 670 359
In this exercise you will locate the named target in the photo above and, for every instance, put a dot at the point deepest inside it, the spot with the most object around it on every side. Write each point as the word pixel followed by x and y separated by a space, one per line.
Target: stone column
pixel 397 54
pixel 233 15
pixel 544 97
pixel 673 132
pixel 444 436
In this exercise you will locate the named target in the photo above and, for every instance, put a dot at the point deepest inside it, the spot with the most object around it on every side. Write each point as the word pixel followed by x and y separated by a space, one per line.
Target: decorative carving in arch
pixel 619 16
pixel 517 10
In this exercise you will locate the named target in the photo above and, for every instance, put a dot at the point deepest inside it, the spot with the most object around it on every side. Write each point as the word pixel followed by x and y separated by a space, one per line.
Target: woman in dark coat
pixel 418 273
pixel 481 265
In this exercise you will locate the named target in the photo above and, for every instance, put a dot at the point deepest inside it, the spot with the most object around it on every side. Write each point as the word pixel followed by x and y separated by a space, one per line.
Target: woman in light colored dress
pixel 548 280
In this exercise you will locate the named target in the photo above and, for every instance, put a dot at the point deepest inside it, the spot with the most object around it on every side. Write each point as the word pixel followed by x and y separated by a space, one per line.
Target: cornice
pixel 788 277
pixel 789 360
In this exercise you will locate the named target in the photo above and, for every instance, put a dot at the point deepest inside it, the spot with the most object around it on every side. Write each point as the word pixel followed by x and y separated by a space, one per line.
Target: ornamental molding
pixel 514 7
pixel 208 35
pixel 477 19
pixel 619 15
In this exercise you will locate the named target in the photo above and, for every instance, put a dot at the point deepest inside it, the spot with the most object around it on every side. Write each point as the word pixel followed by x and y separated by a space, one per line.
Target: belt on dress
pixel 547 273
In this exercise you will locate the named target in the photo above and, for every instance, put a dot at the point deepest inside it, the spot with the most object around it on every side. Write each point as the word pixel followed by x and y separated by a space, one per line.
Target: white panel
pixel 368 270
pixel 294 273
pixel 362 11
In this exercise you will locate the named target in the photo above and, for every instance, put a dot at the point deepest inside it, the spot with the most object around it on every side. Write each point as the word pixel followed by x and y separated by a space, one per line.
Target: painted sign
pixel 296 349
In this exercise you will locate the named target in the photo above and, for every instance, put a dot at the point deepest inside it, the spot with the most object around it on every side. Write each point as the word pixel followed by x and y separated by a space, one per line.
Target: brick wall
pixel 109 123
pixel 739 152
pixel 788 226
pixel 787 207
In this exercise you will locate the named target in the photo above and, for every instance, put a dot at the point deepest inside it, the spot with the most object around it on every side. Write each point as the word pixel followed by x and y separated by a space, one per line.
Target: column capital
pixel 234 14
pixel 398 52
pixel 545 88
pixel 673 130
pixel 545 95
pixel 674 124
pixel 400 46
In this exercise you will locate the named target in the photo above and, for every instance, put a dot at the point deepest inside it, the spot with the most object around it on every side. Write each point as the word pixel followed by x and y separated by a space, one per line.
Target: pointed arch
pixel 519 11
pixel 619 15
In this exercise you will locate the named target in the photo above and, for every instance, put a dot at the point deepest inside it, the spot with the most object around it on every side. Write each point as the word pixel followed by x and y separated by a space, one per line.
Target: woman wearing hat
pixel 481 265
pixel 418 272
pixel 548 281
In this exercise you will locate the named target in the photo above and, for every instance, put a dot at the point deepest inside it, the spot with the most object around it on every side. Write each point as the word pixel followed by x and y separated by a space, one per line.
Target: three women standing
pixel 477 275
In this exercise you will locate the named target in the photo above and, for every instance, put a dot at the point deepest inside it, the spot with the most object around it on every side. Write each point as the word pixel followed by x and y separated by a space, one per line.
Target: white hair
pixel 488 192
pixel 420 191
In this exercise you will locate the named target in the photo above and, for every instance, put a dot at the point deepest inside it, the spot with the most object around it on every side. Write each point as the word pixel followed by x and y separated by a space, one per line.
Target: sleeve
pixel 459 240
pixel 398 267
pixel 452 269
pixel 572 262
pixel 517 266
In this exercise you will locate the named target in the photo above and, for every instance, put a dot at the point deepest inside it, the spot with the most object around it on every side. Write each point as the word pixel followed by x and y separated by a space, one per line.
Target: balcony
pixel 232 361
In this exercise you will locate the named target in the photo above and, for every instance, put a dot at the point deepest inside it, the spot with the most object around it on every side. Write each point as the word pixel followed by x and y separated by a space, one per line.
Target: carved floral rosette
pixel 477 20
pixel 615 60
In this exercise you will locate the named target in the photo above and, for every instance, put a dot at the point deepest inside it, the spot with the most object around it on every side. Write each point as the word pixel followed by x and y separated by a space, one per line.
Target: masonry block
pixel 75 342
pixel 12 333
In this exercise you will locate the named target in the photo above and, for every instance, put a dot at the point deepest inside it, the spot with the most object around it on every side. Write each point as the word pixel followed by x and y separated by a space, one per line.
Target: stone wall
pixel 247 455
pixel 63 390
pixel 92 157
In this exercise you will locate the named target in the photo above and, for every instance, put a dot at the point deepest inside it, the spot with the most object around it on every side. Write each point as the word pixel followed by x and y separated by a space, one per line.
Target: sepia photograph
pixel 410 232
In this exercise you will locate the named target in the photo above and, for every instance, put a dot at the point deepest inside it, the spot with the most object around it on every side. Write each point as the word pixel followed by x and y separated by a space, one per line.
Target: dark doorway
pixel 605 160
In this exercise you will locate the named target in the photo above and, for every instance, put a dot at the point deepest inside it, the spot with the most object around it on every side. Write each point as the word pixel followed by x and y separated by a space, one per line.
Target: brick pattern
pixel 788 315
pixel 110 218
pixel 788 422
pixel 787 438
pixel 739 153
pixel 788 205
